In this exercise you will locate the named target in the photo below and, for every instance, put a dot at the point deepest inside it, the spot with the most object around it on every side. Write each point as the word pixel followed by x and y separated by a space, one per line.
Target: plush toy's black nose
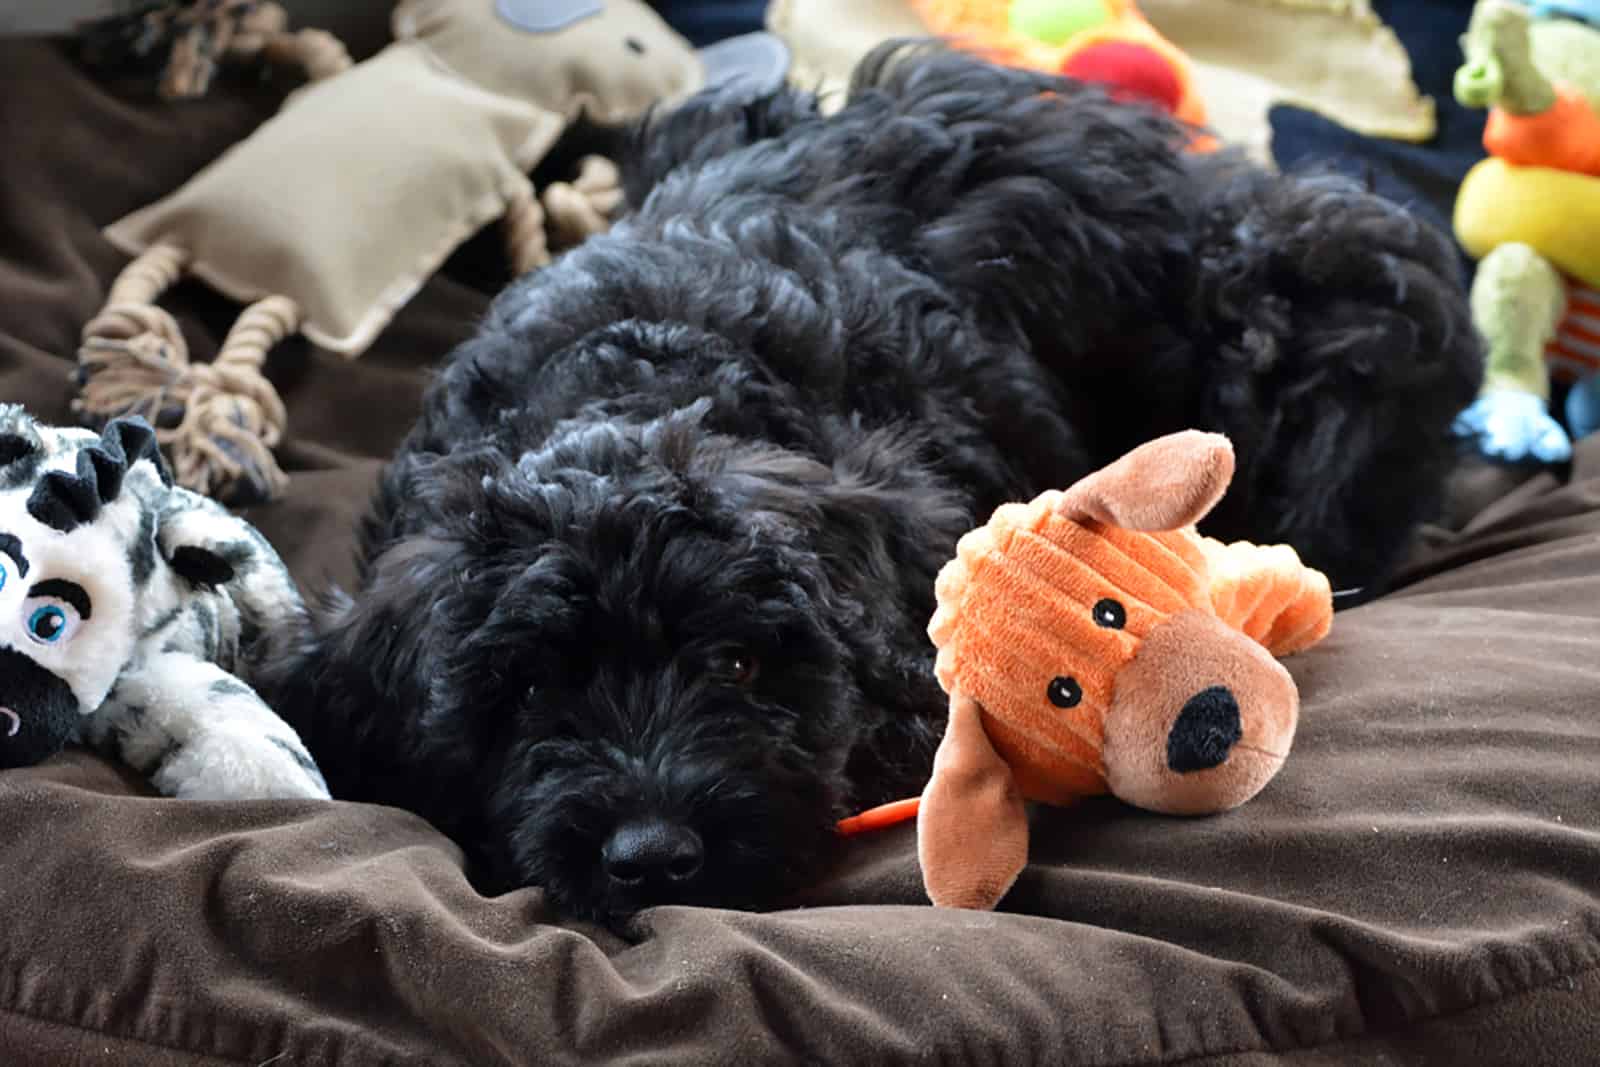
pixel 1206 731
pixel 652 854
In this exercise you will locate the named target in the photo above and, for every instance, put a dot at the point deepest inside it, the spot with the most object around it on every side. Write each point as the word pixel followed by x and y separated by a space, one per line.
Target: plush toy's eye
pixel 1064 692
pixel 53 610
pixel 737 665
pixel 1110 614
pixel 11 557
pixel 50 623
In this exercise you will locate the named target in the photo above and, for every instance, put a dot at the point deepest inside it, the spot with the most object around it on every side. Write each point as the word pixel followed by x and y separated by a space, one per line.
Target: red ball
pixel 1128 71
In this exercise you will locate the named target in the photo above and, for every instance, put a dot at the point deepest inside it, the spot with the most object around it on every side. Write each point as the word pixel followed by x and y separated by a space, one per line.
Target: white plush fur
pixel 153 667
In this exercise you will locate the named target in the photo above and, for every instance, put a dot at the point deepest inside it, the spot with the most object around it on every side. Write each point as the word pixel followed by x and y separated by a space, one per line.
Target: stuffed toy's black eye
pixel 1064 692
pixel 1110 614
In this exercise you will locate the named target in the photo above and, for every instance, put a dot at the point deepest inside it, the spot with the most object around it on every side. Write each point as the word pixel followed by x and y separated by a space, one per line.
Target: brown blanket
pixel 1419 884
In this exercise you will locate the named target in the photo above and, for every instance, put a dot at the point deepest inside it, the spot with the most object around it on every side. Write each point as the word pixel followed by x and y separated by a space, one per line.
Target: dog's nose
pixel 1205 732
pixel 652 853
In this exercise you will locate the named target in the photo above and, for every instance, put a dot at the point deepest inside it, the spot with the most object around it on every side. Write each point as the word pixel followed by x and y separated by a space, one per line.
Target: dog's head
pixel 627 649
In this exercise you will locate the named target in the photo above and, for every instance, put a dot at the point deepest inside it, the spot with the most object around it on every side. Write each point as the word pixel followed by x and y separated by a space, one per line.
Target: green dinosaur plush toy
pixel 1530 214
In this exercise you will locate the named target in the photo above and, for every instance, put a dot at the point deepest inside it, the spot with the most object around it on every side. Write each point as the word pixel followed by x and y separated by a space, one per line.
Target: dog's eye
pixel 738 666
pixel 1110 614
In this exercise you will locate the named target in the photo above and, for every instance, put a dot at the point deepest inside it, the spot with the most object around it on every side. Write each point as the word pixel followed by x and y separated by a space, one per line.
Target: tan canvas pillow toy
pixel 332 214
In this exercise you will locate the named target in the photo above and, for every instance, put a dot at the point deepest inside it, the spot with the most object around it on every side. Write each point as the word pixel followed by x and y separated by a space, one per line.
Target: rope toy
pixel 220 421
pixel 305 222
pixel 194 38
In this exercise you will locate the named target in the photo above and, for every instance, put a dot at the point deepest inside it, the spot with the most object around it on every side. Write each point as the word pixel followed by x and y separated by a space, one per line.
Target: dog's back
pixel 1324 329
pixel 1030 196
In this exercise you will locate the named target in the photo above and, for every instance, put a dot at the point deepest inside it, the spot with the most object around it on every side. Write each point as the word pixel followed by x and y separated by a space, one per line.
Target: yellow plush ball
pixel 1556 212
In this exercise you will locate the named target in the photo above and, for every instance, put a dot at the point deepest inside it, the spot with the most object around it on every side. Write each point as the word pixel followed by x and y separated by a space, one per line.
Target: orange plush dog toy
pixel 1093 642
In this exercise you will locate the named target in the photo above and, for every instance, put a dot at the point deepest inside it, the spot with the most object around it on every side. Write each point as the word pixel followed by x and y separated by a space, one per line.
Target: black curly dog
pixel 642 604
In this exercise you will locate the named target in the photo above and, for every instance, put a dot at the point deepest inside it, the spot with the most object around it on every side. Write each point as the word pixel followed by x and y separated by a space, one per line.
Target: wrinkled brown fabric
pixel 1419 883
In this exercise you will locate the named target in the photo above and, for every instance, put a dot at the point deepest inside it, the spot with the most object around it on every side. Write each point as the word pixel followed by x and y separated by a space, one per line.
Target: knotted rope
pixel 526 244
pixel 564 215
pixel 198 34
pixel 584 207
pixel 218 421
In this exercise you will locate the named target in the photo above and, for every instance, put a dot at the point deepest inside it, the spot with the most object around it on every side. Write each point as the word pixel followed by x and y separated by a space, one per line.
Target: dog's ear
pixel 358 683
pixel 393 627
pixel 1164 484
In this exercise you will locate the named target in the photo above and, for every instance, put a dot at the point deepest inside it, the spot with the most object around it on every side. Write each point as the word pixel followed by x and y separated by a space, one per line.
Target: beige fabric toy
pixel 331 215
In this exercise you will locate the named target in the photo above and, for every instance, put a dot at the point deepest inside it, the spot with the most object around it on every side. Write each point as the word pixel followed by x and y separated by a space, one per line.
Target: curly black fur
pixel 664 539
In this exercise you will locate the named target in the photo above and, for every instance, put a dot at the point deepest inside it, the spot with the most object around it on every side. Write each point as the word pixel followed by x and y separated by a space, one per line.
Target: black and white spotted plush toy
pixel 129 608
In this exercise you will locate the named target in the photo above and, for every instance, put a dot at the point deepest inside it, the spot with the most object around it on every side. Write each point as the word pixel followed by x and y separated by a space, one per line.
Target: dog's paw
pixel 1514 427
pixel 235 765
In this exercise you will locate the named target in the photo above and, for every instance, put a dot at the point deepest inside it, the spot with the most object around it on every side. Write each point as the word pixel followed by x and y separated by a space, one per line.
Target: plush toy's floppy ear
pixel 200 565
pixel 1165 484
pixel 972 828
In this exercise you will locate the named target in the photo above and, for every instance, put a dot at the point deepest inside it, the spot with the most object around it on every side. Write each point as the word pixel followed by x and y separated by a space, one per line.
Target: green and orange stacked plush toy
pixel 1091 642
pixel 1530 214
pixel 1107 42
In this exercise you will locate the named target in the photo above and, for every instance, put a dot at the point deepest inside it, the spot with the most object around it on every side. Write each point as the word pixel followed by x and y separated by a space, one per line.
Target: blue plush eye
pixel 48 624
pixel 52 614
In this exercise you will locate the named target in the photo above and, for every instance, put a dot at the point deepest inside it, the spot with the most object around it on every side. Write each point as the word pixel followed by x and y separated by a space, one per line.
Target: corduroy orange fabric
pixel 1020 591
pixel 1265 591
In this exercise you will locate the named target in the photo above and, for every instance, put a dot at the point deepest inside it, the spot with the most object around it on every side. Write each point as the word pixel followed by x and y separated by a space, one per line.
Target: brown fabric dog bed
pixel 1418 885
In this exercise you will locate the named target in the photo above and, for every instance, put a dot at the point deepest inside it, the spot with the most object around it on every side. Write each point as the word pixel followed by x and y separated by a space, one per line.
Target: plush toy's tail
pixel 880 817
pixel 1265 591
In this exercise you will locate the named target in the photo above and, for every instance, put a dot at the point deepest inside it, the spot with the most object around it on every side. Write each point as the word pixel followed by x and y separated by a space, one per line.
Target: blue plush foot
pixel 1583 407
pixel 1514 427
